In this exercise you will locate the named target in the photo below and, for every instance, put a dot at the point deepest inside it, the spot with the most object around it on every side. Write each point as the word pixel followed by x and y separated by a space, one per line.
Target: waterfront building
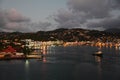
pixel 32 44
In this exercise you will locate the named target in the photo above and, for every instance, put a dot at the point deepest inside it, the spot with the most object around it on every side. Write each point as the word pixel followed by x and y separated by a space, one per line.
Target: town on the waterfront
pixel 59 39
pixel 22 45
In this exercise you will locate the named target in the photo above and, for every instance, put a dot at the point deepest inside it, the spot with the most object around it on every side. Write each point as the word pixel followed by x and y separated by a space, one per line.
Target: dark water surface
pixel 65 63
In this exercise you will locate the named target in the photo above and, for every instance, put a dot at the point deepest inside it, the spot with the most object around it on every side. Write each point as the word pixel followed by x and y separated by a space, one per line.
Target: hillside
pixel 113 30
pixel 63 34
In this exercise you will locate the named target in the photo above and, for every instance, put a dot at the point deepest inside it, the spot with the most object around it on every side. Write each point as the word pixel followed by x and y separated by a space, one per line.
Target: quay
pixel 11 53
pixel 8 57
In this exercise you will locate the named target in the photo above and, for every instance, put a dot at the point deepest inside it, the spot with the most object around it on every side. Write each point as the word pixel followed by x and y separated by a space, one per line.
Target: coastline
pixel 21 57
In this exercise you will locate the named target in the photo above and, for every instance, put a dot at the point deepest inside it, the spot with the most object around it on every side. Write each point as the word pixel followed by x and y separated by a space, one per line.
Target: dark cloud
pixel 12 20
pixel 118 1
pixel 67 19
pixel 14 16
pixel 41 26
pixel 1 2
pixel 90 13
pixel 106 23
pixel 93 8
pixel 2 19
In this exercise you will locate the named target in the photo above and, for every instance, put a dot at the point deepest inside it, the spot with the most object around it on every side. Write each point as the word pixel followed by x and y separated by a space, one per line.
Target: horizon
pixel 48 30
pixel 45 15
pixel 67 29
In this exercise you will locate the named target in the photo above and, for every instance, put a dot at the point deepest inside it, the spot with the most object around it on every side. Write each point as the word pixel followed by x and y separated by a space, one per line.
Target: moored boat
pixel 99 53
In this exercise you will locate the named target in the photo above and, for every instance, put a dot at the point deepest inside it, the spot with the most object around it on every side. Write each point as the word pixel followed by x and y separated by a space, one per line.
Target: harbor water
pixel 65 63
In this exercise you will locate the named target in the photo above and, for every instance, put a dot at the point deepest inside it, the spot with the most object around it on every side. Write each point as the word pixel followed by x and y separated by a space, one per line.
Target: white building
pixel 33 44
pixel 38 44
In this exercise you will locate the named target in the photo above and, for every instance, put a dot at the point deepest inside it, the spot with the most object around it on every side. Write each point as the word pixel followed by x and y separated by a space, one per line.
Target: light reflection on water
pixel 27 69
pixel 69 55
pixel 66 63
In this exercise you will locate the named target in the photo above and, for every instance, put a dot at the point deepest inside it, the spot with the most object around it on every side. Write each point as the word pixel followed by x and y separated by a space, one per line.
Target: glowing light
pixel 97 59
pixel 44 59
pixel 26 62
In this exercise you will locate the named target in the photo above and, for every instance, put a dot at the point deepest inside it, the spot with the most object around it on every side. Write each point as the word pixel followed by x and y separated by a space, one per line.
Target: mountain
pixel 75 34
pixel 113 30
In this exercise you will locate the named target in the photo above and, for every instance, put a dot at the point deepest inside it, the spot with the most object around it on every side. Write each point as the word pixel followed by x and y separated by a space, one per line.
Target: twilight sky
pixel 35 15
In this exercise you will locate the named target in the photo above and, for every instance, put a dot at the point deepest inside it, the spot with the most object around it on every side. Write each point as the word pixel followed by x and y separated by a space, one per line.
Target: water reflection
pixel 66 63
pixel 26 64
pixel 44 59
pixel 98 59
pixel 99 66
pixel 47 52
pixel 44 49
pixel 27 70
pixel 98 55
pixel 108 62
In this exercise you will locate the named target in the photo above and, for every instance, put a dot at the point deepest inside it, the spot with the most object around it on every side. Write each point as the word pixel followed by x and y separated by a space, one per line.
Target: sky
pixel 36 15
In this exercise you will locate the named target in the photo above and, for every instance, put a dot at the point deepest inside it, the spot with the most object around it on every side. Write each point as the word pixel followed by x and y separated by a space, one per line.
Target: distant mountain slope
pixel 76 34
pixel 115 30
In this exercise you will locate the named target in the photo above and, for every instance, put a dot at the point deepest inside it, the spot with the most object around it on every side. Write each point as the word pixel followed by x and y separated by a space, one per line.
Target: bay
pixel 65 63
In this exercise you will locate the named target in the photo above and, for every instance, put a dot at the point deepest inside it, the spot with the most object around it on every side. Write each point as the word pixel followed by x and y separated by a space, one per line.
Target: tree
pixel 26 50
pixel 1 46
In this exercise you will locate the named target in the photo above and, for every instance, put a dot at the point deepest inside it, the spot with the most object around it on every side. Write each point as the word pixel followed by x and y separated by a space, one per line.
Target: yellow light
pixel 26 62
pixel 44 59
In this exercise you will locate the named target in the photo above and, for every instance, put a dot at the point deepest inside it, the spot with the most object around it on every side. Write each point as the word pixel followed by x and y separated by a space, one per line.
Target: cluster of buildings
pixel 31 44
pixel 38 44
pixel 10 52
pixel 20 48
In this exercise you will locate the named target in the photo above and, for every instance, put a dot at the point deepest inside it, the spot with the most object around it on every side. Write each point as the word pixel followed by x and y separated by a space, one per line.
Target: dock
pixel 2 57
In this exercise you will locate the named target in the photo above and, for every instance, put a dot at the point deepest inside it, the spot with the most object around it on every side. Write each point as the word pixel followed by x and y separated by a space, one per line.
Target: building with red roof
pixel 9 49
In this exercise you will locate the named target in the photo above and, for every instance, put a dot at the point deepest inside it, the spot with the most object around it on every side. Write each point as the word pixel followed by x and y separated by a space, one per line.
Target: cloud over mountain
pixel 12 20
pixel 90 14
pixel 94 14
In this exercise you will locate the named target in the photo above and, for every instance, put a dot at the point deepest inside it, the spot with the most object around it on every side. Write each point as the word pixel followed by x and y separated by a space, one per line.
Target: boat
pixel 99 53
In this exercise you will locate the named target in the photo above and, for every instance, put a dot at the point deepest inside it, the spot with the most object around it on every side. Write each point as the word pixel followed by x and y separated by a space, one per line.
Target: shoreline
pixel 22 57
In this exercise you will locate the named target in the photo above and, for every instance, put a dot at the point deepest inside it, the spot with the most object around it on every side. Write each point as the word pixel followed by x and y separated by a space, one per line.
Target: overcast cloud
pixel 12 20
pixel 91 14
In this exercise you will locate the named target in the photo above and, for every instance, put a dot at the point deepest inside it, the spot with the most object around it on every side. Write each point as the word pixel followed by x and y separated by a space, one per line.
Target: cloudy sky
pixel 35 15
